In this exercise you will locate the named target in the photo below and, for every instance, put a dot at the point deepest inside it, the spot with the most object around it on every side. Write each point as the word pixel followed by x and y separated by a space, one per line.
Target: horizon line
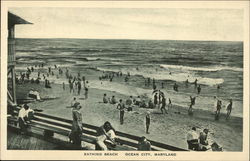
pixel 130 39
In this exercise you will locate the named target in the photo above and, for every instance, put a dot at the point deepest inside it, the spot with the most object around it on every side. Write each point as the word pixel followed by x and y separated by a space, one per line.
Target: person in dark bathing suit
pixel 163 105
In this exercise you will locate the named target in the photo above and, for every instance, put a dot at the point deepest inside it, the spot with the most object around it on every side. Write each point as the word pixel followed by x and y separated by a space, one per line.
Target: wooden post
pixel 13 75
pixel 11 60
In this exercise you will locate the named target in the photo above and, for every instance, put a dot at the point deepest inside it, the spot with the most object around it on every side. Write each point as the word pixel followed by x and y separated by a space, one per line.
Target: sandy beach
pixel 168 128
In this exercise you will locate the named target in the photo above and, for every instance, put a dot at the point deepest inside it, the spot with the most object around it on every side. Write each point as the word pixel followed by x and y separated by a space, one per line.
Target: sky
pixel 131 23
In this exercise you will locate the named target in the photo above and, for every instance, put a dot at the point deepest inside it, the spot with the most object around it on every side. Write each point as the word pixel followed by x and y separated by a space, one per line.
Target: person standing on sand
pixel 186 83
pixel 71 86
pixel 229 108
pixel 156 99
pixel 192 139
pixel 76 130
pixel 79 86
pixel 86 92
pixel 121 107
pixel 195 83
pixel 217 114
pixel 86 87
pixel 169 104
pixel 215 105
pixel 163 105
pixel 63 86
pixel 148 118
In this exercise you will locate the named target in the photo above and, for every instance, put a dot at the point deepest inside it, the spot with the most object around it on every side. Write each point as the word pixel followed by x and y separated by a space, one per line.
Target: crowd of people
pixel 200 142
pixel 107 132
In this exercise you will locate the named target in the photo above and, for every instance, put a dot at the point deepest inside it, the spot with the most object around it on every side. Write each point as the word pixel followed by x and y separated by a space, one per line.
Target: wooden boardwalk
pixel 16 141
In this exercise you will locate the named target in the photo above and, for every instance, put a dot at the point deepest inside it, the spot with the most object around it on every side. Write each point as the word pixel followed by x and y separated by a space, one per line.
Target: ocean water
pixel 212 63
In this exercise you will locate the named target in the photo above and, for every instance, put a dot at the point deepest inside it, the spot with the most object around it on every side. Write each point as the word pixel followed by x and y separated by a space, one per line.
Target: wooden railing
pixel 53 124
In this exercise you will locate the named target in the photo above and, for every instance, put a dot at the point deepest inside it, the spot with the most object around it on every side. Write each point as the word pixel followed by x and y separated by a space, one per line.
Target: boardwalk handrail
pixel 124 138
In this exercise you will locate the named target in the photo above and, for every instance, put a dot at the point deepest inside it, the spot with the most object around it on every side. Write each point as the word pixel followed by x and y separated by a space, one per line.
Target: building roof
pixel 15 20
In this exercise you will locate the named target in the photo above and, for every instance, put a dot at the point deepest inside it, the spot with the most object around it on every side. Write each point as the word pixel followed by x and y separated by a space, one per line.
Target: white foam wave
pixel 208 69
pixel 164 75
pixel 119 88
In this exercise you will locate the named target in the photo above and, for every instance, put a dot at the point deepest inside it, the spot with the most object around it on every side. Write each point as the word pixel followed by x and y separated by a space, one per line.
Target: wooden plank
pixel 53 123
pixel 32 143
pixel 45 127
pixel 89 132
pixel 88 139
pixel 65 120
pixel 157 144
pixel 17 141
pixel 53 117
pixel 10 139
pixel 28 144
pixel 92 127
pixel 122 141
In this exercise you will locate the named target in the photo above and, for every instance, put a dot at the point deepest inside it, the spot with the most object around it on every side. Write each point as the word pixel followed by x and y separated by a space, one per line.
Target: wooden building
pixel 12 21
